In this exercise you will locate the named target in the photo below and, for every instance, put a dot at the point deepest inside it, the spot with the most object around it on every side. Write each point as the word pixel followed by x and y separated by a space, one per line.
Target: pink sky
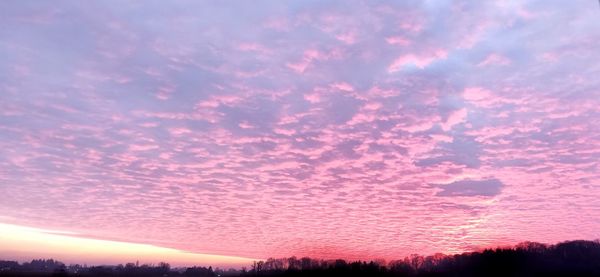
pixel 347 129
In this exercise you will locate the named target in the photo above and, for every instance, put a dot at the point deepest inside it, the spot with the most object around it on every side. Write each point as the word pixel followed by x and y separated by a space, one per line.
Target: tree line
pixel 51 267
pixel 571 258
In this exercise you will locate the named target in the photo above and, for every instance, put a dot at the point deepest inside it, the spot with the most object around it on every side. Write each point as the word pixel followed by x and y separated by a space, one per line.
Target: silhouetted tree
pixel 571 258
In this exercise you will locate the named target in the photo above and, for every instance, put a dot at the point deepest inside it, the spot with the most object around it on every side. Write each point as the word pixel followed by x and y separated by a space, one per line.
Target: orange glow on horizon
pixel 25 243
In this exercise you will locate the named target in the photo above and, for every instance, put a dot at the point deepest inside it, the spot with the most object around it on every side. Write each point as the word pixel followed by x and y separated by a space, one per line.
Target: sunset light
pixel 23 243
pixel 219 133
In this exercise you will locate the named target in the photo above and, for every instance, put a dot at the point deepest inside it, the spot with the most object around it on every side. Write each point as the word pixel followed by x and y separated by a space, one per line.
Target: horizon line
pixel 26 242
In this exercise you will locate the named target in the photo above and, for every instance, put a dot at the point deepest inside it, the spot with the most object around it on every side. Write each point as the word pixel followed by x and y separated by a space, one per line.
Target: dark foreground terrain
pixel 572 258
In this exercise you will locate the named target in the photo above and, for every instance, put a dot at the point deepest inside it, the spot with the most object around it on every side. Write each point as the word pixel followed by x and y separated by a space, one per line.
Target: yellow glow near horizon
pixel 25 243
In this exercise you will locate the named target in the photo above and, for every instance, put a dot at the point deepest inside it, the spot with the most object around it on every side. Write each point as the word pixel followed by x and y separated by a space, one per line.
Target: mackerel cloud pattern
pixel 352 129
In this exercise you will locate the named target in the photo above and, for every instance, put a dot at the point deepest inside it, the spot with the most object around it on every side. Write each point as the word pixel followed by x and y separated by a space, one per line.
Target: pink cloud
pixel 143 147
pixel 313 97
pixel 455 118
pixel 397 41
pixel 420 61
pixel 347 37
pixel 253 47
pixel 179 131
pixel 442 138
pixel 245 125
pixel 165 92
pixel 549 57
pixel 289 114
pixel 494 59
pixel 308 57
pixel 342 86
pixel 476 94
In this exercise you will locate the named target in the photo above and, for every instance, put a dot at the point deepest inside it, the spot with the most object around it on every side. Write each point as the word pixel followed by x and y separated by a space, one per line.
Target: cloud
pixel 455 118
pixel 420 61
pixel 494 59
pixel 301 128
pixel 488 187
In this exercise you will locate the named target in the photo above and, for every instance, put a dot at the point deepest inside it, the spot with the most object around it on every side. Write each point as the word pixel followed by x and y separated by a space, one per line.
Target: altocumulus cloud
pixel 280 128
pixel 487 187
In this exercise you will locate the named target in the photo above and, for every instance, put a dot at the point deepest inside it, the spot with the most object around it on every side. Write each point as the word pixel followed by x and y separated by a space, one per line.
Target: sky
pixel 330 129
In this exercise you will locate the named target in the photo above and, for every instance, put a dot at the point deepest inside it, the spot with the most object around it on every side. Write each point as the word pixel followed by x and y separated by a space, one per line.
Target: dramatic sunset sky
pixel 209 132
